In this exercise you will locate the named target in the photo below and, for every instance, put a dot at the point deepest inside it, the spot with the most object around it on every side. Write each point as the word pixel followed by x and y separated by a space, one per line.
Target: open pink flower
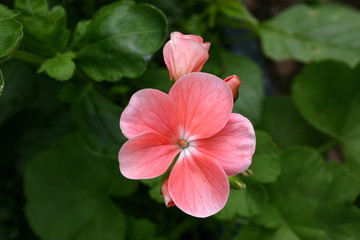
pixel 195 121
pixel 184 54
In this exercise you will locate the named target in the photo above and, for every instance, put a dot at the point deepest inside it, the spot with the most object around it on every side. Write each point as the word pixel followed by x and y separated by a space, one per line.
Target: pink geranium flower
pixel 184 54
pixel 195 121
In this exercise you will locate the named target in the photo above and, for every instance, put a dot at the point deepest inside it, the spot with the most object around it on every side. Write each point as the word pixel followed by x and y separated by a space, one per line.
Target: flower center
pixel 182 143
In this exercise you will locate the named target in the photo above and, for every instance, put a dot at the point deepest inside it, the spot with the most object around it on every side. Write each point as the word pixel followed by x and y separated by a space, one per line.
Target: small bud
pixel 184 54
pixel 165 193
pixel 247 173
pixel 236 182
pixel 234 83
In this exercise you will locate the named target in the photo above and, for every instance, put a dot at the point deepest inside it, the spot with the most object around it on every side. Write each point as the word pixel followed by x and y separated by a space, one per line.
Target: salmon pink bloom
pixel 184 54
pixel 193 121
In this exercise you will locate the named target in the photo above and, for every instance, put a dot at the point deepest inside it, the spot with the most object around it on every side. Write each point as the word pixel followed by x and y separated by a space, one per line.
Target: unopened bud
pixel 184 54
pixel 236 182
pixel 247 173
pixel 165 192
pixel 234 83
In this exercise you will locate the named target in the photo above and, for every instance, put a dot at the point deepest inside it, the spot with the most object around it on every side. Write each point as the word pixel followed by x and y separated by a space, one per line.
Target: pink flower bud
pixel 234 83
pixel 165 192
pixel 184 54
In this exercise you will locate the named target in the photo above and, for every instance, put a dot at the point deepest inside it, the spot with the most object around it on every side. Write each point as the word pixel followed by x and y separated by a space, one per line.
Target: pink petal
pixel 206 45
pixel 197 185
pixel 194 38
pixel 147 155
pixel 233 147
pixel 179 35
pixel 204 103
pixel 149 110
pixel 175 35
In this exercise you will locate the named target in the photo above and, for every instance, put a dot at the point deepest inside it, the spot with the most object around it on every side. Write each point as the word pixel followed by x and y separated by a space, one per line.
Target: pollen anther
pixel 182 143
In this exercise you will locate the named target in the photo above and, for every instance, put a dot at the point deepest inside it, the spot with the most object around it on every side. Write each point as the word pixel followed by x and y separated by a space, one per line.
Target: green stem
pixel 28 57
pixel 327 146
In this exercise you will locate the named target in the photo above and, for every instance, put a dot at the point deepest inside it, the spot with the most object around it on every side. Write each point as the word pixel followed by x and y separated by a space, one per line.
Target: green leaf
pixel 19 94
pixel 266 160
pixel 251 91
pixel 304 33
pixel 154 185
pixel 270 217
pixel 118 38
pixel 60 67
pixel 328 96
pixel 45 29
pixel 147 232
pixel 68 192
pixel 317 183
pixel 236 9
pixel 6 13
pixel 246 202
pixel 79 33
pixel 98 120
pixel 2 83
pixel 312 199
pixel 253 232
pixel 283 122
pixel 11 35
pixel 285 232
pixel 157 78
pixel 346 228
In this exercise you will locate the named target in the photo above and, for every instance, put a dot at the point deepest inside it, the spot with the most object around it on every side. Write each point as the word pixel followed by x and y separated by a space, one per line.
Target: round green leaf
pixel 328 96
pixel 68 192
pixel 311 199
pixel 307 187
pixel 304 33
pixel 118 38
pixel 321 183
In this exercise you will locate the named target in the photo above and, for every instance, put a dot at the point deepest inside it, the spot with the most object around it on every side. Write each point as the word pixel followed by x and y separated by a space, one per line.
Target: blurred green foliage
pixel 68 68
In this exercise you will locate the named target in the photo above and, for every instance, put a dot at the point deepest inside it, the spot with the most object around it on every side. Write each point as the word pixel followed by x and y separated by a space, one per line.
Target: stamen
pixel 182 143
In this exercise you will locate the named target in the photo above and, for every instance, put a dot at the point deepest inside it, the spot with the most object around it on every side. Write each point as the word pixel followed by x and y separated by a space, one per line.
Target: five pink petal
pixel 197 109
